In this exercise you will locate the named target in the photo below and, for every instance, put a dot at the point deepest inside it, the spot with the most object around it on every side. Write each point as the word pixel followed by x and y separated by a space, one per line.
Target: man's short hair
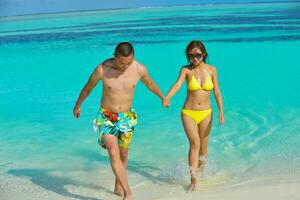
pixel 124 49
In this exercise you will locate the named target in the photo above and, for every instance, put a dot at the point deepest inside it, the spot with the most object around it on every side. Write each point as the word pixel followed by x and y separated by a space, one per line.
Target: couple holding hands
pixel 116 117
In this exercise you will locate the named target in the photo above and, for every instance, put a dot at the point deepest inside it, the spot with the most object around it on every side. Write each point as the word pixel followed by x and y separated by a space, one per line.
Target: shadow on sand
pixel 55 183
pixel 152 173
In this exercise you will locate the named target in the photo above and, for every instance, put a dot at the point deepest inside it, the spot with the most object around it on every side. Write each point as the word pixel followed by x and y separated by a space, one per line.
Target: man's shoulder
pixel 107 63
pixel 139 65
pixel 141 68
pixel 104 66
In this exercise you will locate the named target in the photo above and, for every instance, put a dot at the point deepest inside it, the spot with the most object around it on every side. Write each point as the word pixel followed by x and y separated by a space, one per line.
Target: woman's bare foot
pixel 192 188
pixel 193 185
pixel 201 166
pixel 202 161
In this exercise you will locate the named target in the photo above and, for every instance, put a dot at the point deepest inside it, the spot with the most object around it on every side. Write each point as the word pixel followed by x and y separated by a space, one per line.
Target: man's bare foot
pixel 119 192
pixel 128 197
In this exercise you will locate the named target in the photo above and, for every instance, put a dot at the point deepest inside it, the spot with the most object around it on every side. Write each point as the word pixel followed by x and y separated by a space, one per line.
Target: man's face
pixel 123 62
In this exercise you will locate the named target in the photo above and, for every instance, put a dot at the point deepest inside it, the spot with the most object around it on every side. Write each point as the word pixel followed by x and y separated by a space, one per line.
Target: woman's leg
pixel 203 130
pixel 191 130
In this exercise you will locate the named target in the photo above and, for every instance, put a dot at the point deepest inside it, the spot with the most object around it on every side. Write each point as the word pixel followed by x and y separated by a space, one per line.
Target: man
pixel 116 117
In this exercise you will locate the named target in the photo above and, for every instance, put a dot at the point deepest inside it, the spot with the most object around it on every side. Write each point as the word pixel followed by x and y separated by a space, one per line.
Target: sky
pixel 25 7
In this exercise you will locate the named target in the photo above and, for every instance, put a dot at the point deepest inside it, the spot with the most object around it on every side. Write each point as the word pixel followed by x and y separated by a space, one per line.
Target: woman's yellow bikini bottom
pixel 197 115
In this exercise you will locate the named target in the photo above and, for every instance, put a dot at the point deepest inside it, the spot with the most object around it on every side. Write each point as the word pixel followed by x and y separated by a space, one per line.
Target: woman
pixel 197 113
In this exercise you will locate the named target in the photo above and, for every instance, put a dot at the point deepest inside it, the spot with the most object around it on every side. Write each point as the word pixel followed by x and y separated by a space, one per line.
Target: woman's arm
pixel 177 85
pixel 218 95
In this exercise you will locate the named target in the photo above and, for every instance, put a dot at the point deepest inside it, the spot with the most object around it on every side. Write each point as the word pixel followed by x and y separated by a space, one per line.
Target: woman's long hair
pixel 196 44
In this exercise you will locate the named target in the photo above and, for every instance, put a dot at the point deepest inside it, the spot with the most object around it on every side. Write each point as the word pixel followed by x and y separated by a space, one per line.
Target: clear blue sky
pixel 23 7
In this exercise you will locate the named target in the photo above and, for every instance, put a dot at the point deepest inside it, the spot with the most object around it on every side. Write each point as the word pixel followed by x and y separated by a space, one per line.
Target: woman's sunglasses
pixel 196 55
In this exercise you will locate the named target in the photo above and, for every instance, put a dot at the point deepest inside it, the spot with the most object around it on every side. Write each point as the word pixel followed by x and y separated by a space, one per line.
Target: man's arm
pixel 96 76
pixel 151 85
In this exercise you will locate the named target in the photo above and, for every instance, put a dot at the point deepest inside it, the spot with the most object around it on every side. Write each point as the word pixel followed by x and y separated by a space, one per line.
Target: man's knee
pixel 123 154
pixel 113 154
pixel 112 146
pixel 109 141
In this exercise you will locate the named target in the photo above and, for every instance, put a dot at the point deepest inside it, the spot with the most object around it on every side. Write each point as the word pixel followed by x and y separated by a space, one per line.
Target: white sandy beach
pixel 98 184
pixel 275 191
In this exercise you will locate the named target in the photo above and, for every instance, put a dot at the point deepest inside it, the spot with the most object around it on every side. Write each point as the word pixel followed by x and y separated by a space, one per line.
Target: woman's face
pixel 195 56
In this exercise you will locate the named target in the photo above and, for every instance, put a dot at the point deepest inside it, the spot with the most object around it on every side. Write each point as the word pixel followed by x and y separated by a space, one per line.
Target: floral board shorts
pixel 119 124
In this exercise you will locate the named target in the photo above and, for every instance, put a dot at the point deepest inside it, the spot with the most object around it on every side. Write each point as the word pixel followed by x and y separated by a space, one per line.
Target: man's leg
pixel 124 159
pixel 111 143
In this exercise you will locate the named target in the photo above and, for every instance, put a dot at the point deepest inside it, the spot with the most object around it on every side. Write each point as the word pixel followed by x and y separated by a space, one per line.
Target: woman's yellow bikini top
pixel 194 85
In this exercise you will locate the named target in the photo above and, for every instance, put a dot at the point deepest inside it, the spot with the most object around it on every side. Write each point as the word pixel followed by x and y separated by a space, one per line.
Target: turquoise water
pixel 46 60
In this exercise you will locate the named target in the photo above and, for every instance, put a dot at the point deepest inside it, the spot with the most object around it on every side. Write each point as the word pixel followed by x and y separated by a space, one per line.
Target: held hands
pixel 166 102
pixel 76 111
pixel 221 118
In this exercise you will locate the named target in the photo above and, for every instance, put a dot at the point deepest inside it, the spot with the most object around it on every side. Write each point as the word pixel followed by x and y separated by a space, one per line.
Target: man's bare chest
pixel 124 81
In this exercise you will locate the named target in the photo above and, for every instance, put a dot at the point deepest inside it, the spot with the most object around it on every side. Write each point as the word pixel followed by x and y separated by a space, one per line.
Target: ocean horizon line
pixel 144 7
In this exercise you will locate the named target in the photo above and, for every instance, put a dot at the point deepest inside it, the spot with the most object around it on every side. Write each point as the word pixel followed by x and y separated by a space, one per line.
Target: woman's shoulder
pixel 212 69
pixel 186 68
